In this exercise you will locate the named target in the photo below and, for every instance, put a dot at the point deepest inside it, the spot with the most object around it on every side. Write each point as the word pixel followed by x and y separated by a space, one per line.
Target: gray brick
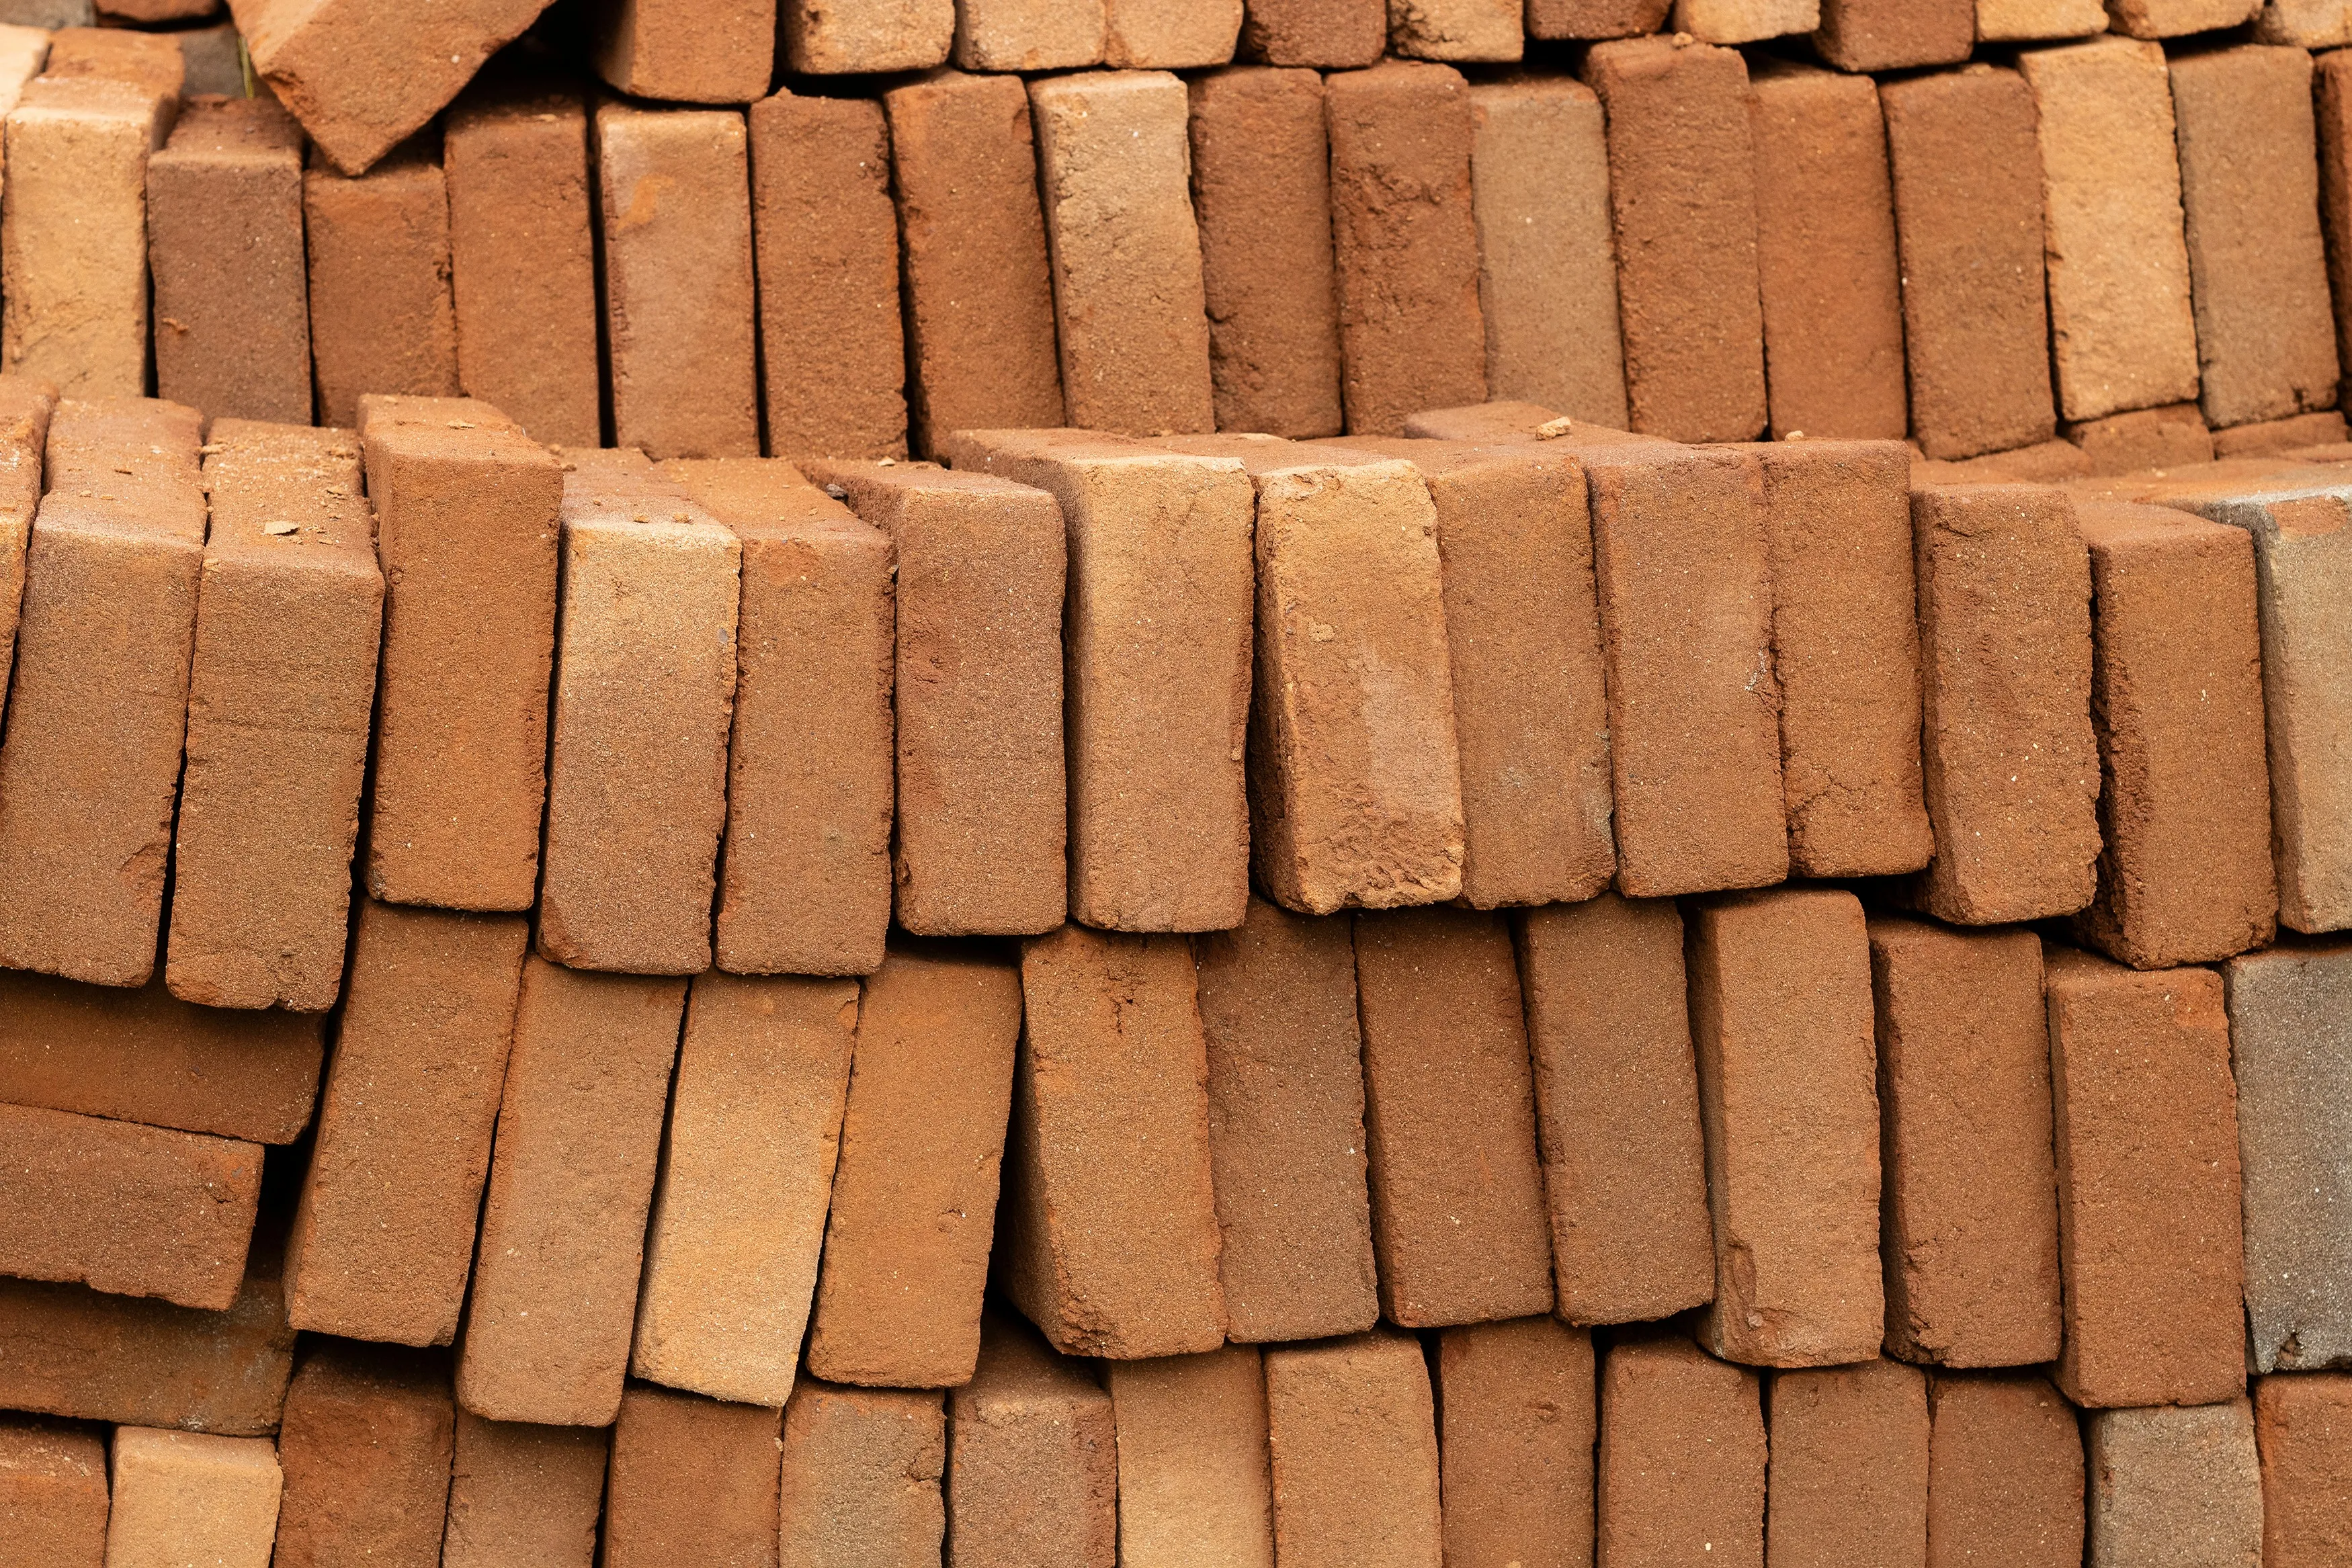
pixel 2175 1487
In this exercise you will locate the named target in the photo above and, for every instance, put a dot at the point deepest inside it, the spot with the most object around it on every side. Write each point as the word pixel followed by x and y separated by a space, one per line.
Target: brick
pixel 1278 1000
pixel 1193 1479
pixel 1682 1458
pixel 381 316
pixel 1517 1420
pixel 2149 1231
pixel 52 1494
pixel 644 693
pixel 1158 630
pixel 1968 229
pixel 805 866
pixel 2174 1486
pixel 140 11
pixel 901 35
pixel 2004 1473
pixel 861 1477
pixel 738 1210
pixel 1595 19
pixel 2185 873
pixel 1744 21
pixel 384 1232
pixel 2169 437
pixel 1849 1465
pixel 1889 35
pixel 1112 157
pixel 2279 437
pixel 2010 761
pixel 366 1448
pixel 2309 24
pixel 547 1329
pixel 1458 1216
pixel 2043 463
pixel 2288 1060
pixel 150 61
pixel 524 1496
pixel 1970 1218
pixel 468 514
pixel 1028 34
pixel 183 1498
pixel 523 257
pixel 24 27
pixel 1411 332
pixel 2302 1430
pixel 2018 21
pixel 2331 86
pixel 1168 35
pixel 687 53
pixel 1352 1432
pixel 1825 261
pixel 1261 188
pixel 1111 1238
pixel 225 246
pixel 981 835
pixel 2177 18
pixel 692 1480
pixel 1032 1460
pixel 26 406
pixel 2249 186
pixel 213 58
pixel 1462 30
pixel 1508 422
pixel 1331 34
pixel 980 351
pixel 915 1187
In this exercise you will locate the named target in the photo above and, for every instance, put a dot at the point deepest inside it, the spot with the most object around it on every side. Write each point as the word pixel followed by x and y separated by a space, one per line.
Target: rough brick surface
pixel 1332 33
pixel 692 1480
pixel 895 36
pixel 2004 1473
pixel 687 52
pixel 1849 1466
pixel 524 1496
pixel 25 405
pixel 1517 1419
pixel 861 1477
pixel 1032 1459
pixel 2174 1486
pixel 1194 1479
pixel 2302 1430
pixel 366 1450
pixel 2279 437
pixel 182 1497
pixel 1744 21
pixel 2332 126
pixel 1682 1458
pixel 53 1496
pixel 1889 35
pixel 2168 437
pixel 1028 34
pixel 1168 35
pixel 381 316
pixel 2015 21
pixel 1457 30
pixel 2177 18
pixel 1352 1432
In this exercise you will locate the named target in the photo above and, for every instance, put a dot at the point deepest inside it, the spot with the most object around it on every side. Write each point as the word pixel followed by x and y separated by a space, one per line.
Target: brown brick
pixel 1331 34
pixel 152 60
pixel 1968 223
pixel 1170 35
pixel 1028 34
pixel 2179 1485
pixel 1517 1419
pixel 1353 1435
pixel 2043 463
pixel 381 316
pixel 26 43
pixel 1032 1459
pixel 1849 1466
pixel 686 52
pixel 1682 1458
pixel 804 867
pixel 915 1188
pixel 1890 35
pixel 1594 18
pixel 2004 1473
pixel 692 1480
pixel 861 1477
pixel 1194 1479
pixel 2176 18
pixel 180 1498
pixel 225 245
pixel 2149 1229
pixel 2312 24
pixel 384 1233
pixel 1743 21
pixel 2014 21
pixel 366 1447
pixel 547 1329
pixel 825 40
pixel 2280 436
pixel 2303 1429
pixel 26 406
pixel 53 1493
pixel 524 1497
pixel 1505 422
pixel 2169 437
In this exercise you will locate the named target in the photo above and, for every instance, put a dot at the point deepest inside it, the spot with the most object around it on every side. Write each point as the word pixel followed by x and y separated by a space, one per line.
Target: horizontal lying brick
pixel 1023 36
pixel 1193 1464
pixel 519 1493
pixel 366 1446
pixel 183 1497
pixel 678 50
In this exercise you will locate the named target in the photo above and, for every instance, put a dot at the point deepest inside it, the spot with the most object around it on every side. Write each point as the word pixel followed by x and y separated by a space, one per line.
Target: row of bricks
pixel 1505 1443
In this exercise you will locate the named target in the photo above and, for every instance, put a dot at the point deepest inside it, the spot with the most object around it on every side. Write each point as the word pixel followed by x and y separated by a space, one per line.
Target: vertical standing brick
pixel 366 1448
pixel 1891 35
pixel 524 1496
pixel 1168 35
pixel 563 1225
pixel 1825 259
pixel 687 53
pixel 1458 1217
pixel 1849 1464
pixel 53 1497
pixel 82 850
pixel 2303 1431
pixel 1134 329
pixel 1517 1419
pixel 1335 35
pixel 895 36
pixel 2004 1473
pixel 1110 1243
pixel 1158 625
pixel 692 1480
pixel 915 1187
pixel 225 245
pixel 1193 1481
pixel 24 45
pixel 2149 1231
pixel 1028 34
pixel 978 292
pixel 2176 18
pixel 1968 223
pixel 833 358
pixel 2010 762
pixel 382 317
pixel 183 1498
pixel 861 1478
pixel 1781 1016
pixel 674 188
pixel 1411 333
pixel 738 1210
pixel 2174 1485
pixel 1032 1459
pixel 805 868
pixel 644 693
pixel 26 406
pixel 1261 179
pixel 1351 1430
pixel 1682 1458
pixel 468 512
pixel 214 58
pixel 2331 87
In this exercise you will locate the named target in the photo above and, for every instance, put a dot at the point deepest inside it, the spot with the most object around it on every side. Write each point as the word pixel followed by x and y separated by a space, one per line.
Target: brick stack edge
pixel 813 783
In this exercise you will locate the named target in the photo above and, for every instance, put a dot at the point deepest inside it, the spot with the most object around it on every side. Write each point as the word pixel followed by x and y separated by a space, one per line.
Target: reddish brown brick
pixel 2280 436
pixel 152 60
pixel 1352 1432
pixel 522 1494
pixel 1594 18
pixel 1889 35
pixel 1517 1419
pixel 26 406
pixel 2303 1429
pixel 2168 437
pixel 1028 34
pixel 381 316
pixel 685 52
pixel 1193 1466
pixel 692 1480
pixel 2004 1473
pixel 366 1450
pixel 1168 35
pixel 822 40
pixel 1849 1465
pixel 53 1493
pixel 1032 1457
pixel 862 1470
pixel 1334 35
pixel 1682 1458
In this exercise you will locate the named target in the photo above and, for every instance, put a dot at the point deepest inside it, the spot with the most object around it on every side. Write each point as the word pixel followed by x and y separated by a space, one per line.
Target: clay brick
pixel 25 41
pixel 2169 437
pixel 1517 1419
pixel 1410 332
pixel 1744 21
pixel 1032 1459
pixel 547 1329
pixel 1458 1217
pixel 2174 1486
pixel 2176 18
pixel 915 1187
pixel 1353 1433
pixel 1849 1466
pixel 2012 769
pixel 381 316
pixel 2332 126
pixel 26 406
pixel 1335 35
pixel 1891 35
pixel 1969 226
pixel 2280 436
pixel 523 257
pixel 1682 1458
pixel 1969 1211
pixel 692 1480
pixel 1028 34
pixel 148 60
pixel 2023 21
pixel 2309 24
pixel 675 189
pixel 739 1210
pixel 1157 630
pixel 1261 187
pixel 2004 1473
pixel 366 1446
pixel 805 866
pixel 53 1499
pixel 225 246
pixel 686 52
pixel 862 1476
pixel 1112 159
pixel 1828 287
pixel 384 1232
pixel 1505 422
pixel 1111 1237
pixel 214 58
pixel 1168 35
pixel 2185 873
pixel 2249 186
pixel 1461 30
pixel 2302 1430
pixel 2294 1077
pixel 898 35
pixel 524 1496
pixel 644 696
pixel 468 513
pixel 981 829
pixel 979 291
pixel 1193 1479
pixel 142 11
pixel 2149 1231
pixel 182 1497
pixel 2043 463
